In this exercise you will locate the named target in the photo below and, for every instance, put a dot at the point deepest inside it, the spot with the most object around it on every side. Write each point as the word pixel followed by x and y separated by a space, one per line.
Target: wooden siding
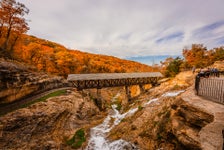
pixel 212 88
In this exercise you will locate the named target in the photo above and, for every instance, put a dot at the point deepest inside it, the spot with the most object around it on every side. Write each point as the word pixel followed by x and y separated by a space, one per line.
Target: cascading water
pixel 98 141
pixel 98 134
pixel 172 94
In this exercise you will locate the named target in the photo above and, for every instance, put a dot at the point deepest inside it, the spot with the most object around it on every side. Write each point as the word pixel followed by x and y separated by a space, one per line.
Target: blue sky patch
pixel 174 36
pixel 206 31
pixel 220 41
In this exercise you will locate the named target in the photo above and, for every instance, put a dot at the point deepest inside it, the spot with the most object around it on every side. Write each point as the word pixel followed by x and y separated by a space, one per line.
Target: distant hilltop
pixel 151 60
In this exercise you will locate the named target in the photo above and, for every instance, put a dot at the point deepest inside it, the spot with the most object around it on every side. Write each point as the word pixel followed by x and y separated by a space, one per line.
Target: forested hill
pixel 56 59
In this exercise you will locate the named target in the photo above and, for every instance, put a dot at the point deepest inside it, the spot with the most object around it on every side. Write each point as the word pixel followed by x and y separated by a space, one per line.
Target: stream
pixel 98 134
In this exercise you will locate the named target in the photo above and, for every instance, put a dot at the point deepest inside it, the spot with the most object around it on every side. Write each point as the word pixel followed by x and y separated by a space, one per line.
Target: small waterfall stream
pixel 98 134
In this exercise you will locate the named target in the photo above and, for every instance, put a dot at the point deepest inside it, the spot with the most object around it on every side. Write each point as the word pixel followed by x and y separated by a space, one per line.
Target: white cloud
pixel 124 27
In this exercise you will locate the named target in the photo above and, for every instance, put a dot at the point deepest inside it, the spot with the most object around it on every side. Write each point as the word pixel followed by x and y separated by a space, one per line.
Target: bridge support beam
pixel 128 92
pixel 142 89
pixel 99 99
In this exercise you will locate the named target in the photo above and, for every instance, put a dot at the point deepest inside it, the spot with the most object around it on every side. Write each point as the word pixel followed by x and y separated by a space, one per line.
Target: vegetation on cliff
pixel 78 139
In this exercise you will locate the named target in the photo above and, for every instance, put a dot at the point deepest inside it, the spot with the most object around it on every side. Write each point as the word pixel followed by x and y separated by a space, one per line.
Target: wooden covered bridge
pixel 102 80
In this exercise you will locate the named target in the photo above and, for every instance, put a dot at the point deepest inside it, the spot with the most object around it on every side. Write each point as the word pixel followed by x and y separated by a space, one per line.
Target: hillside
pixel 54 58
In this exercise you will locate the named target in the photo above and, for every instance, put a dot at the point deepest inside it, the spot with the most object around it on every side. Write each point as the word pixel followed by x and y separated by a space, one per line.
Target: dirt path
pixel 4 109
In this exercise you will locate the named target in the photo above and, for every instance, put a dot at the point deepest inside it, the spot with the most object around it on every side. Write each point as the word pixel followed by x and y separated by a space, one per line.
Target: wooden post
pixel 128 93
pixel 197 82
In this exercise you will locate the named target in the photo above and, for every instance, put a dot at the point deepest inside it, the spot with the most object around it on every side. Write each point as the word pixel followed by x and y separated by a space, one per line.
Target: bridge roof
pixel 107 76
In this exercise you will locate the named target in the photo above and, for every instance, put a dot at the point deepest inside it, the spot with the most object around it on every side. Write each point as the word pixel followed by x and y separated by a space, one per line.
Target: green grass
pixel 118 103
pixel 44 98
pixel 119 106
pixel 77 140
pixel 140 107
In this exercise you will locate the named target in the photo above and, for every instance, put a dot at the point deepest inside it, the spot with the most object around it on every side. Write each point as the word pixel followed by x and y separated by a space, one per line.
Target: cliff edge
pixel 18 81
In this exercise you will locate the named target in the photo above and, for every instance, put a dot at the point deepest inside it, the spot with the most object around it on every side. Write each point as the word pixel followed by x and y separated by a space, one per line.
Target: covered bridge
pixel 102 80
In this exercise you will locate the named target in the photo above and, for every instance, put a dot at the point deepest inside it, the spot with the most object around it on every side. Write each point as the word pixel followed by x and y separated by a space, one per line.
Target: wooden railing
pixel 212 88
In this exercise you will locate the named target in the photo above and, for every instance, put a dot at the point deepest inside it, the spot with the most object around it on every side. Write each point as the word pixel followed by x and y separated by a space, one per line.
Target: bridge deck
pixel 106 76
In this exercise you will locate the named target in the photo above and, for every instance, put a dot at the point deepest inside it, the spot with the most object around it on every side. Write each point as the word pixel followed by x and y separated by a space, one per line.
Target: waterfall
pixel 98 134
pixel 98 139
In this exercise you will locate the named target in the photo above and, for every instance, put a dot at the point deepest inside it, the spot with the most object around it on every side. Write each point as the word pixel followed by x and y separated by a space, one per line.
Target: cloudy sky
pixel 127 28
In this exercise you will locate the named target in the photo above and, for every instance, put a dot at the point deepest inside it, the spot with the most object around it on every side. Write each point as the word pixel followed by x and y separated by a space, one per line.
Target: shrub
pixel 78 139
pixel 174 67
pixel 140 107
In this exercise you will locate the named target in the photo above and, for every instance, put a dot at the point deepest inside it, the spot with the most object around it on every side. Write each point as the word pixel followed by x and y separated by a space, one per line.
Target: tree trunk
pixel 7 37
pixel 13 44
pixel 1 30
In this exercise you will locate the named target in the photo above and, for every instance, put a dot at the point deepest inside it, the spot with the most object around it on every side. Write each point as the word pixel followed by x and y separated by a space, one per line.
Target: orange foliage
pixel 12 25
pixel 56 59
pixel 199 56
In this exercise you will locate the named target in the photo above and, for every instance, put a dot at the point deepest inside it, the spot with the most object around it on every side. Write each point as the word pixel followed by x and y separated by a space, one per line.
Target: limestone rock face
pixel 47 125
pixel 186 123
pixel 18 81
pixel 168 123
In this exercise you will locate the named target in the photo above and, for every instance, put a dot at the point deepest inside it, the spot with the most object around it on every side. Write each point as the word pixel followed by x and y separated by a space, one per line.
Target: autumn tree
pixel 12 25
pixel 196 56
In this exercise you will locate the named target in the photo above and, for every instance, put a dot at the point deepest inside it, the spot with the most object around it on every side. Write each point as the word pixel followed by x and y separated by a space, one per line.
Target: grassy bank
pixel 44 98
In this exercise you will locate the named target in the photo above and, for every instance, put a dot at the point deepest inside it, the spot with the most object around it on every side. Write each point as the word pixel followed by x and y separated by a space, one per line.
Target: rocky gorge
pixel 169 116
